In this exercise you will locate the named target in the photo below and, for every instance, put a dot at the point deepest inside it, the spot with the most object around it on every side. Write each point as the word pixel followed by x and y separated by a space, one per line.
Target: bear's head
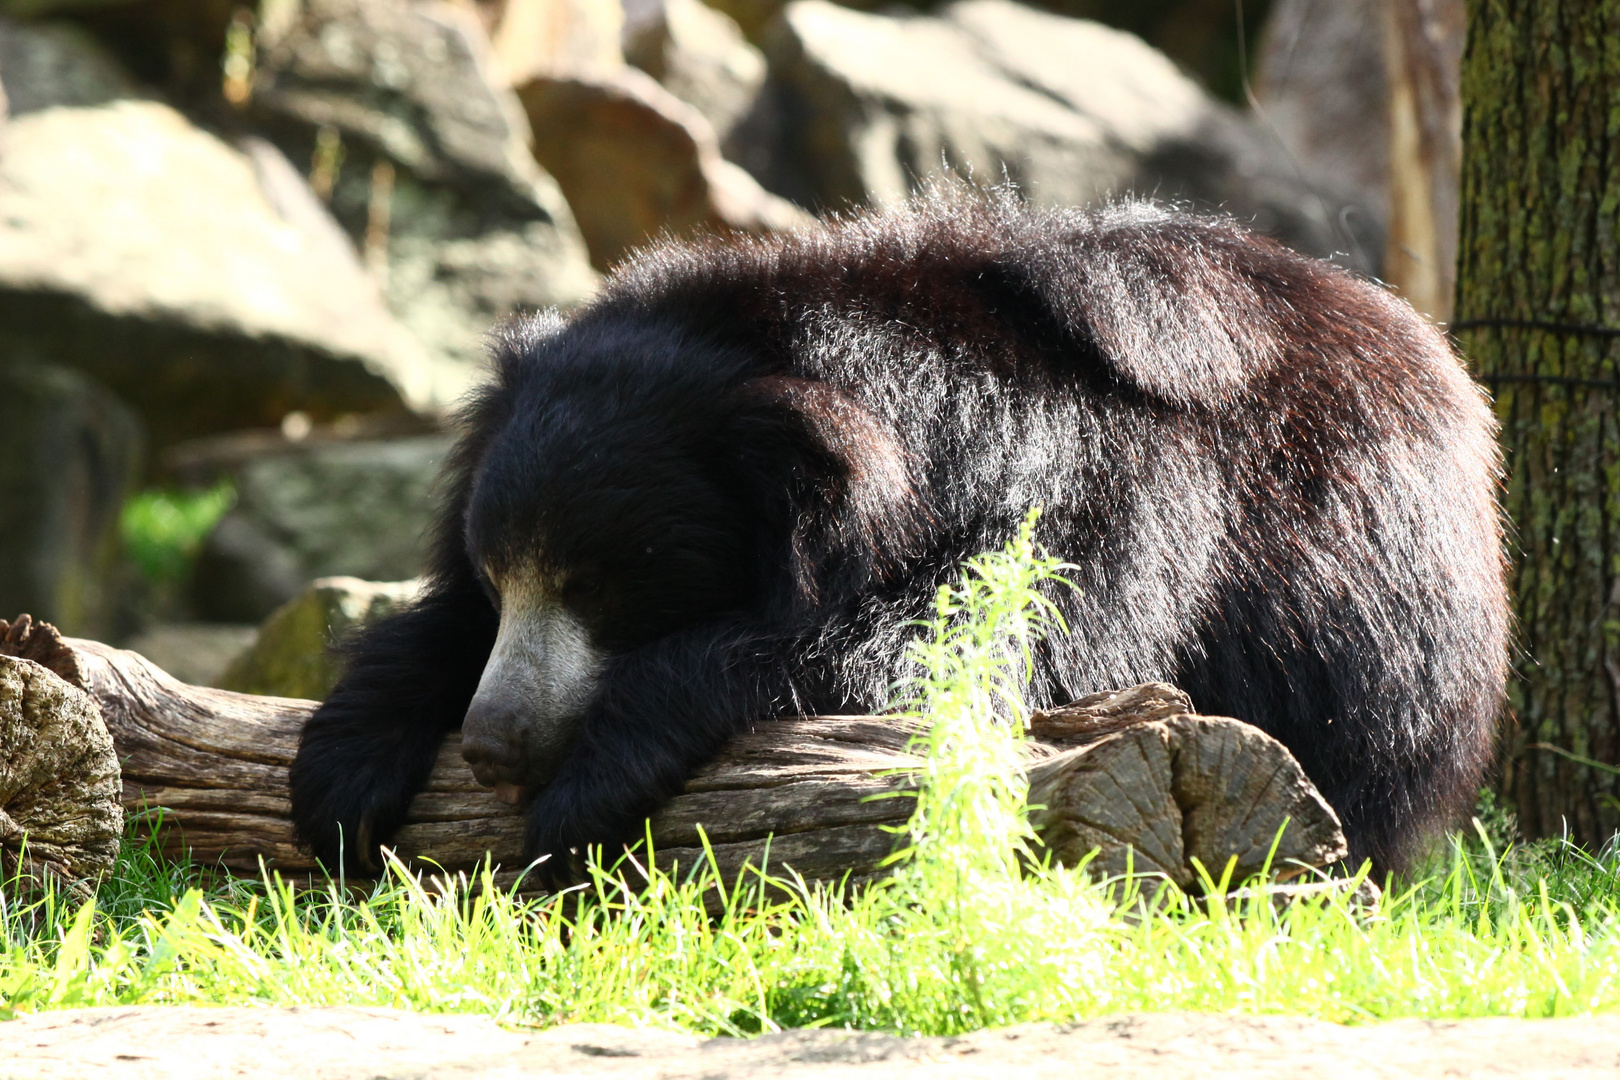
pixel 628 484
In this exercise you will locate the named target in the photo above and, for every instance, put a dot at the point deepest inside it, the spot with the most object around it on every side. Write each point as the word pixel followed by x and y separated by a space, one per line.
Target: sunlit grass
pixel 966 934
pixel 1465 943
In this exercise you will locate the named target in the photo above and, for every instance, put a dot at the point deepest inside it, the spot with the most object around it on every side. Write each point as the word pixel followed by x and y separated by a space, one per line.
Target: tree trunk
pixel 1538 313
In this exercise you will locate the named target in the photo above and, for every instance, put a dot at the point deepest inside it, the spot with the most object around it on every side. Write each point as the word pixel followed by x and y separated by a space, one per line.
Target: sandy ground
pixel 383 1044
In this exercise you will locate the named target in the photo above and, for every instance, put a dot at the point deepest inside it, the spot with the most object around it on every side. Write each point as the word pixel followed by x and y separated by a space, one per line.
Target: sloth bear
pixel 723 490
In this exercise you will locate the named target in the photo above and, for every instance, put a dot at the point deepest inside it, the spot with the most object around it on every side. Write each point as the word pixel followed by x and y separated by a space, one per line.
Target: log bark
pixel 1130 775
pixel 1538 314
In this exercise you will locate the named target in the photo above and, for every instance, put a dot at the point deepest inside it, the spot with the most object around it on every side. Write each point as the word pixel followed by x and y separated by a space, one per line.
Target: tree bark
pixel 1127 775
pixel 1538 312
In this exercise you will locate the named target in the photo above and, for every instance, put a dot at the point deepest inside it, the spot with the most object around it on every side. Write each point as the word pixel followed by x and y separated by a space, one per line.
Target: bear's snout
pixel 538 681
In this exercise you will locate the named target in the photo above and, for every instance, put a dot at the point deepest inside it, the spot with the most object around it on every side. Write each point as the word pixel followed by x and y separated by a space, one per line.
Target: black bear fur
pixel 755 459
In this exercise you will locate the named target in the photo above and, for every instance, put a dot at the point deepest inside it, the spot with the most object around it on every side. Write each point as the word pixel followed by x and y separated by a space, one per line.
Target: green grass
pixel 162 530
pixel 965 935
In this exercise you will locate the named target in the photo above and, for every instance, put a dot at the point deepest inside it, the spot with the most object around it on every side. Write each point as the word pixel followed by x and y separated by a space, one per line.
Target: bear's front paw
pixel 343 811
pixel 338 837
pixel 554 861
pixel 564 830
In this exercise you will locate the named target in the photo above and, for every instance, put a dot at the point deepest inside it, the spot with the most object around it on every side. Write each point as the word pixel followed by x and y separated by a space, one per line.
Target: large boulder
pixel 355 508
pixel 699 55
pixel 69 457
pixel 398 111
pixel 866 108
pixel 532 37
pixel 295 652
pixel 635 162
pixel 1209 39
pixel 57 64
pixel 197 280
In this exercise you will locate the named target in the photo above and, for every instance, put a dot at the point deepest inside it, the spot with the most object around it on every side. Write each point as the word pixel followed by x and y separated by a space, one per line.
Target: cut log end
pixel 1166 797
pixel 60 809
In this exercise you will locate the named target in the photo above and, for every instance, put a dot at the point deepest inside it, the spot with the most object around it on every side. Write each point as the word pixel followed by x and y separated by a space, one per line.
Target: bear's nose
pixel 492 760
pixel 493 757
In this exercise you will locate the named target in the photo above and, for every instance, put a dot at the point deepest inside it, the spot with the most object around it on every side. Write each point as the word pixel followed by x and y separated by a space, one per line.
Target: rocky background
pixel 249 252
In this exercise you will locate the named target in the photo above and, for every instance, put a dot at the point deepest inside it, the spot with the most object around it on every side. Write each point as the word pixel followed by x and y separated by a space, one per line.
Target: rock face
pixel 353 1043
pixel 399 115
pixel 360 509
pixel 172 267
pixel 350 1043
pixel 699 55
pixel 868 108
pixel 531 37
pixel 70 457
pixel 1370 92
pixel 34 8
pixel 635 161
pixel 177 45
pixel 293 655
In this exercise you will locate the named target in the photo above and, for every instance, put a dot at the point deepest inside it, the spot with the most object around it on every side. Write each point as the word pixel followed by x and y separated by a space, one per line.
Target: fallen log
pixel 1130 775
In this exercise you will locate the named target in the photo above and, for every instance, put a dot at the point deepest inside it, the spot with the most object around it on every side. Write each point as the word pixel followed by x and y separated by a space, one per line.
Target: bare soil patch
pixel 385 1044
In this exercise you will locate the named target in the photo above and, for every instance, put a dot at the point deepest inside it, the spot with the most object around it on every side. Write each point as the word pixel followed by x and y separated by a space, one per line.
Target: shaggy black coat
pixel 760 457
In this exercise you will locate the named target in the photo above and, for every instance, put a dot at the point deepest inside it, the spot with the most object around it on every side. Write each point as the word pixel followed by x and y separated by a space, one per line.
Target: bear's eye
pixel 586 585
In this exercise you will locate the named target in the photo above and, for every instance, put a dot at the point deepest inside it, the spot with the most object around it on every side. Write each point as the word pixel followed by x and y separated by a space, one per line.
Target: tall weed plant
pixel 972 664
pixel 967 931
pixel 966 887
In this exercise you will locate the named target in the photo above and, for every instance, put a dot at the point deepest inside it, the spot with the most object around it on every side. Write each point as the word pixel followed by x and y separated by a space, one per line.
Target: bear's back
pixel 1186 310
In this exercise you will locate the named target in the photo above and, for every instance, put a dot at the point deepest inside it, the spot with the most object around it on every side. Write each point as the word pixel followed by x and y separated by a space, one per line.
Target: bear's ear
pixel 1187 310
pixel 828 471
